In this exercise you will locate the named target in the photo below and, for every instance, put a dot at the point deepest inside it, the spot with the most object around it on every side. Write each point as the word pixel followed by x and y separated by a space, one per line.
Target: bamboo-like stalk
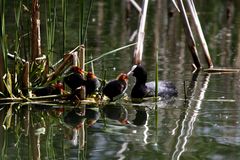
pixel 35 30
pixel 190 39
pixel 137 55
pixel 196 21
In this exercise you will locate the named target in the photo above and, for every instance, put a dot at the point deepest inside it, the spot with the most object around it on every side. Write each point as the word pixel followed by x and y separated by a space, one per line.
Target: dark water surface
pixel 206 126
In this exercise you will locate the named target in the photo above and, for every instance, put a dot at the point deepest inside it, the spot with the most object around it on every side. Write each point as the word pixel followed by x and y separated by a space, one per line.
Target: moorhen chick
pixel 116 88
pixel 74 78
pixel 52 89
pixel 92 83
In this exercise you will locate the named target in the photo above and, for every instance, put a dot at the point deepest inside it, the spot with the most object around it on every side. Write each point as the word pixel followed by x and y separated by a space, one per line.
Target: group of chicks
pixel 113 89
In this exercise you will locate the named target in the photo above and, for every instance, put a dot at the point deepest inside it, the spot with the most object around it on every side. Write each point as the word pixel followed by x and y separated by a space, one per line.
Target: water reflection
pixel 186 123
pixel 116 112
pixel 204 127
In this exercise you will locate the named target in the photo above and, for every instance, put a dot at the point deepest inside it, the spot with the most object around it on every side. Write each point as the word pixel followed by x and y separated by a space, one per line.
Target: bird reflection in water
pixel 116 112
pixel 76 119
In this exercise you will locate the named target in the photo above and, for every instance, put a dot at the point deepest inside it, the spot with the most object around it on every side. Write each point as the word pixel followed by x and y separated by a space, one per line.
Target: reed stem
pixel 51 14
pixel 197 23
pixel 137 56
pixel 190 39
pixel 3 38
pixel 87 22
pixel 64 22
pixel 35 30
pixel 81 19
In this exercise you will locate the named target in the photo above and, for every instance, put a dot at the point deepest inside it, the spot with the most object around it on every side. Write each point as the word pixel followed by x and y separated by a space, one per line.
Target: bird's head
pixel 91 75
pixel 59 86
pixel 76 69
pixel 123 77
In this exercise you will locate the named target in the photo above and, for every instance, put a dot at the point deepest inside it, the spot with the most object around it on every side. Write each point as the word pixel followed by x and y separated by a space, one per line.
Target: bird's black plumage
pixel 74 78
pixel 92 84
pixel 142 88
pixel 116 88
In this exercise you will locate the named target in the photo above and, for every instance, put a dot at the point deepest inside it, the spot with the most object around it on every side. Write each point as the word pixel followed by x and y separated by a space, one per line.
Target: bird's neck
pixel 141 81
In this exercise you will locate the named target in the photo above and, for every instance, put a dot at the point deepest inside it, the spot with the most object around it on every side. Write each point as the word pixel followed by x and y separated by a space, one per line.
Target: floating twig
pixel 221 70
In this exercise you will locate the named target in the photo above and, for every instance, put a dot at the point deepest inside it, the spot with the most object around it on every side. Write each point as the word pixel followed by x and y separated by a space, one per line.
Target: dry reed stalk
pixel 81 91
pixel 137 56
pixel 221 70
pixel 75 58
pixel 175 4
pixel 82 57
pixel 135 4
pixel 35 35
pixel 197 24
pixel 190 39
pixel 26 83
pixel 68 58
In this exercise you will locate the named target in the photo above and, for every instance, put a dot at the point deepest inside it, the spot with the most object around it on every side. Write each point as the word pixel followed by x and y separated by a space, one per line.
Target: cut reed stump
pixel 81 91
pixel 25 82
